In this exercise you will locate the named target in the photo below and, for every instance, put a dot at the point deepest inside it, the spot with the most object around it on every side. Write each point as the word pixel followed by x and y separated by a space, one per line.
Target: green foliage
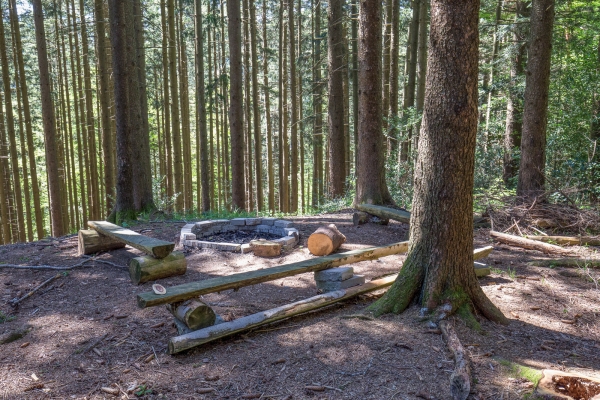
pixel 142 390
pixel 520 371
pixel 6 318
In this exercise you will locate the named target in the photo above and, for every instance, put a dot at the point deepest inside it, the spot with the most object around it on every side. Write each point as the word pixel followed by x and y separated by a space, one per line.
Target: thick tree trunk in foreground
pixel 49 122
pixel 236 112
pixel 337 154
pixel 535 115
pixel 439 266
pixel 371 187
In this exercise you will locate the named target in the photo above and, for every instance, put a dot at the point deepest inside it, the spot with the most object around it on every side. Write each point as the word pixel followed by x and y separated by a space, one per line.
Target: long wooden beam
pixel 385 212
pixel 236 281
pixel 154 247
pixel 196 338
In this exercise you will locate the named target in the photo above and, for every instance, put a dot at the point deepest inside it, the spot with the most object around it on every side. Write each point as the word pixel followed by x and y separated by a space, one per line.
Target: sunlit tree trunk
pixel 535 113
pixel 317 192
pixel 49 122
pixel 422 67
pixel 5 186
pixel 170 185
pixel 293 110
pixel 270 167
pixel 202 136
pixel 175 128
pixel 248 171
pixel 410 72
pixel 255 109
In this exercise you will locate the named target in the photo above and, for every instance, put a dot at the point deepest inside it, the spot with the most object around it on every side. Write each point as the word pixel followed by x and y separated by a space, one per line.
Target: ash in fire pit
pixel 240 237
pixel 234 235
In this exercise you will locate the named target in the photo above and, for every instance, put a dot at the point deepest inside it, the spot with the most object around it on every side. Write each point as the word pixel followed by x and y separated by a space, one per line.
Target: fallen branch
pixel 15 302
pixel 460 380
pixel 62 268
pixel 530 244
pixel 567 240
pixel 566 262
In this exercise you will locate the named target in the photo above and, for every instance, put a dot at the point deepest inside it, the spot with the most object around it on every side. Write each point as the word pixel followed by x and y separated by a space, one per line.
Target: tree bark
pixel 335 54
pixel 439 266
pixel 535 114
pixel 317 192
pixel 293 110
pixel 270 168
pixel 256 110
pixel 236 116
pixel 422 68
pixel 370 186
pixel 176 132
pixel 202 136
pixel 49 122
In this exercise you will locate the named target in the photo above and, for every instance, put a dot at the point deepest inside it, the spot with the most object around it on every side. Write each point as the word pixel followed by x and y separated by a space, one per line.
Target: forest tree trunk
pixel 535 114
pixel 439 266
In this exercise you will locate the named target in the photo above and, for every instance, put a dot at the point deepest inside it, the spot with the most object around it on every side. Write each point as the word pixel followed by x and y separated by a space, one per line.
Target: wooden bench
pixel 160 261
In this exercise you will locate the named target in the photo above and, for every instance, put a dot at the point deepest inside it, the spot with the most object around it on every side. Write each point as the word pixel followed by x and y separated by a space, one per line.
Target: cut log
pixel 460 380
pixel 265 248
pixel 529 244
pixel 193 313
pixel 325 240
pixel 385 212
pixel 235 281
pixel 153 247
pixel 360 218
pixel 145 268
pixel 91 242
pixel 567 240
pixel 184 342
pixel 566 262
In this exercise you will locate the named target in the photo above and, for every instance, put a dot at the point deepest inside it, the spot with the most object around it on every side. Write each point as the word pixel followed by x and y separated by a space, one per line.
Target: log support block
pixel 330 286
pixel 153 247
pixel 481 269
pixel 146 268
pixel 193 313
pixel 91 242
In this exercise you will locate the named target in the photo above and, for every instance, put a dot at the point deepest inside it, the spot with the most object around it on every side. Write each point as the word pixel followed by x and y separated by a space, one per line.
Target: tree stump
pixel 265 248
pixel 91 242
pixel 325 240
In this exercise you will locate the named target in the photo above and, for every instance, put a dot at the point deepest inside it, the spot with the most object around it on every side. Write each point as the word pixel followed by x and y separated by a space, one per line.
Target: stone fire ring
pixel 192 234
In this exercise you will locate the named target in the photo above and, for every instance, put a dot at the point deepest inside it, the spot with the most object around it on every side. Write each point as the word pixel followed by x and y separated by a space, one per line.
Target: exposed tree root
pixel 401 293
pixel 460 380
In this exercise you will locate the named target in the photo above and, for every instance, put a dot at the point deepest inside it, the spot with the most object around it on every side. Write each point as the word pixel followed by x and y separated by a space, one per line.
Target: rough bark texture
pixel 371 187
pixel 236 112
pixel 49 122
pixel 535 115
pixel 439 266
pixel 335 42
pixel 202 135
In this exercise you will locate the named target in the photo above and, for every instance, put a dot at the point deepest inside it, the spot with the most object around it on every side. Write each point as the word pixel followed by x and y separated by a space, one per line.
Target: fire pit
pixel 564 385
pixel 235 234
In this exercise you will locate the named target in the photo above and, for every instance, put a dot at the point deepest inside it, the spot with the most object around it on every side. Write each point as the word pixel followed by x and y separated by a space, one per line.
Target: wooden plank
pixel 154 247
pixel 193 339
pixel 385 212
pixel 236 281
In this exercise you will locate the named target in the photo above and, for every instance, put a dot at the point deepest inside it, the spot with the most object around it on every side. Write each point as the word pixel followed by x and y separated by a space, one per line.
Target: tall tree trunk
pixel 422 68
pixel 39 219
pixel 392 109
pixel 387 54
pixel 535 114
pixel 285 149
pixel 223 86
pixel 410 72
pixel 178 171
pixel 202 136
pixel 317 192
pixel 107 145
pixel 142 188
pixel 248 171
pixel 439 265
pixel 280 111
pixel 293 110
pixel 185 114
pixel 270 168
pixel 514 103
pixel 335 42
pixel 236 113
pixel 10 124
pixel 49 122
pixel 354 74
pixel 490 83
pixel 89 116
pixel 255 108
pixel 370 186
pixel 166 102
pixel 5 186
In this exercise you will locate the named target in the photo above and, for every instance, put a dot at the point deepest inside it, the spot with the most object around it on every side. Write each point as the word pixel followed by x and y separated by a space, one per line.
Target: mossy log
pixel 154 247
pixel 236 281
pixel 193 313
pixel 529 244
pixel 385 212
pixel 325 240
pixel 567 240
pixel 145 268
pixel 91 242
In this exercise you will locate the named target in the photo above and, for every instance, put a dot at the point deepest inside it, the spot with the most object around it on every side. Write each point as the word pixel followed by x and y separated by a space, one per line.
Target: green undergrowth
pixel 521 371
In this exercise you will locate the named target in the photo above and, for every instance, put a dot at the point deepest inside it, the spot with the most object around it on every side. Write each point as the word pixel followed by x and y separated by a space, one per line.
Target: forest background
pixel 300 137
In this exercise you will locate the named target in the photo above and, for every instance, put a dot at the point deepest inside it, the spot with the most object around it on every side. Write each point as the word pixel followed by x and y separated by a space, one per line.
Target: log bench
pixel 160 261
pixel 179 296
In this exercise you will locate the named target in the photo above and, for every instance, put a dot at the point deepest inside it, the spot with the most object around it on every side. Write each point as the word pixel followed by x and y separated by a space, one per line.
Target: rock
pixel 265 248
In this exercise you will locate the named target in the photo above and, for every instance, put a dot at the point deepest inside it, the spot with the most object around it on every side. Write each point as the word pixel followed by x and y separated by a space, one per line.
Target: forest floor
pixel 88 333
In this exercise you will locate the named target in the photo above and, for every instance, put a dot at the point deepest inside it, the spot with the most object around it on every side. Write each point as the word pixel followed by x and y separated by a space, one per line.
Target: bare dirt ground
pixel 88 333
